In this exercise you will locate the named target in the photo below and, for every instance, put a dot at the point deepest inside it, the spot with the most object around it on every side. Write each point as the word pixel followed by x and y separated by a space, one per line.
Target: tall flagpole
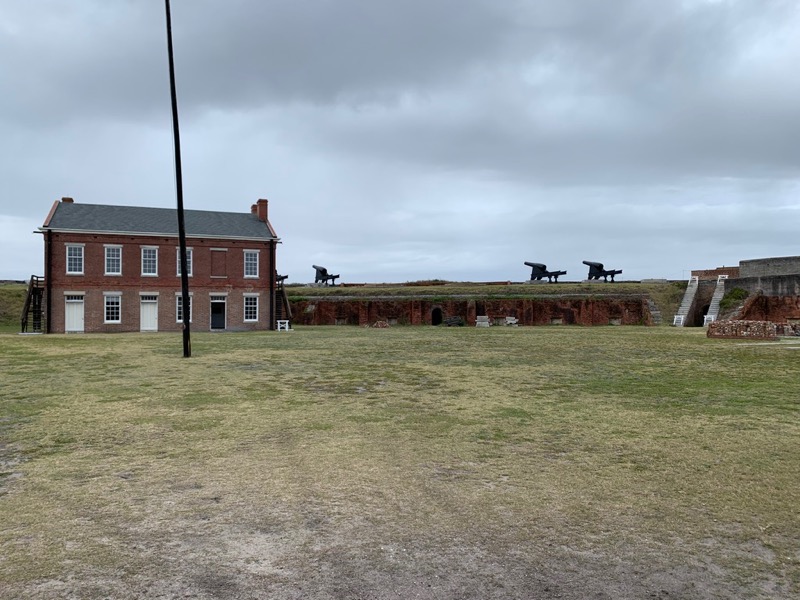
pixel 185 298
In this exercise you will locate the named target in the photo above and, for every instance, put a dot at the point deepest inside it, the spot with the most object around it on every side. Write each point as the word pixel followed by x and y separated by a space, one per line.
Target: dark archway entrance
pixel 436 316
pixel 700 318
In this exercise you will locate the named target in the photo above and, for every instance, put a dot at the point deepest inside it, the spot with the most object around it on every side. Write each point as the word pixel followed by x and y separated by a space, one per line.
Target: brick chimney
pixel 260 209
pixel 67 200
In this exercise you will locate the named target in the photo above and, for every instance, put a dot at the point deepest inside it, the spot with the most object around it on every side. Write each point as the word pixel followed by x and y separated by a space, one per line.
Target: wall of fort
pixel 433 311
pixel 774 285
pixel 769 267
pixel 713 274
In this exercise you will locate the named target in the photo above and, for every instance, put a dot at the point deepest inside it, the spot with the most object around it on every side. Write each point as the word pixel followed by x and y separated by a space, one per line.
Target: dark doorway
pixel 701 318
pixel 436 316
pixel 217 315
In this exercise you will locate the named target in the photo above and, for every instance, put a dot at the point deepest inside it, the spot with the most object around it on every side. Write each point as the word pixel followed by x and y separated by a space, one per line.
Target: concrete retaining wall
pixel 769 267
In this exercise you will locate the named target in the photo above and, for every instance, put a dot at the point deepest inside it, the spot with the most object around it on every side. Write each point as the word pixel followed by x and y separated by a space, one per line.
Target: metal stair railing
pixel 32 307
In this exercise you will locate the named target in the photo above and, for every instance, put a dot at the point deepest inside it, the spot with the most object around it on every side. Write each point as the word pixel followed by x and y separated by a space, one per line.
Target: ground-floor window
pixel 113 307
pixel 251 307
pixel 179 308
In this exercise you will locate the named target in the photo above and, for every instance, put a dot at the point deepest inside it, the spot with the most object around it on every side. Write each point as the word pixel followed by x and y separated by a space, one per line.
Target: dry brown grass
pixel 408 462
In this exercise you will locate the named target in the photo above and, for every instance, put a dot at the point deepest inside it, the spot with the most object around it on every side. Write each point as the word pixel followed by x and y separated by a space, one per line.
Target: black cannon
pixel 280 278
pixel 538 271
pixel 596 271
pixel 323 277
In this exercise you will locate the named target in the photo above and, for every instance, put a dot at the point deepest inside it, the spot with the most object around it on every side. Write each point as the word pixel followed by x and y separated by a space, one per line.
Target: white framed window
pixel 188 261
pixel 74 259
pixel 150 261
pixel 113 307
pixel 179 307
pixel 251 263
pixel 113 260
pixel 250 307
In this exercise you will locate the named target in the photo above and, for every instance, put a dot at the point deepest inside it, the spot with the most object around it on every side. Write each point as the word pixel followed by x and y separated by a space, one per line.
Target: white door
pixel 73 314
pixel 148 313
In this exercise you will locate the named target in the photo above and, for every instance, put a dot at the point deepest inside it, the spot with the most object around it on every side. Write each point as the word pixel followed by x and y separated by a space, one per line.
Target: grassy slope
pixel 12 298
pixel 652 456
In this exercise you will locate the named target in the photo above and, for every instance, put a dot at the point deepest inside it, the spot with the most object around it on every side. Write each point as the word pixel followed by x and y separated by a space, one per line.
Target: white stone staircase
pixel 686 304
pixel 713 308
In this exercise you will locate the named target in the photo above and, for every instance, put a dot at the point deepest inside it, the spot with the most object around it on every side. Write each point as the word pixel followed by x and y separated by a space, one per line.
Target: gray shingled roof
pixel 160 221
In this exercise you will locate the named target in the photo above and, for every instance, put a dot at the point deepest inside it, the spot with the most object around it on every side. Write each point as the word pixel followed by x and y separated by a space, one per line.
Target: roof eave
pixel 161 234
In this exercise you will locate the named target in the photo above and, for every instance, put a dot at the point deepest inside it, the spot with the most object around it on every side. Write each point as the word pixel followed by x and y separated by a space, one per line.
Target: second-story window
pixel 251 263
pixel 113 260
pixel 75 259
pixel 188 261
pixel 149 261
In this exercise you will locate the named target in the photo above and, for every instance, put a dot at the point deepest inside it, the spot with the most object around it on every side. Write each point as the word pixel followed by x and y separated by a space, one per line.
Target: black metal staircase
pixel 283 312
pixel 32 315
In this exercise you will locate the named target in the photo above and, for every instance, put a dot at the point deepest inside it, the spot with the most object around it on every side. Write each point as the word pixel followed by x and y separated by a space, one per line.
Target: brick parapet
pixel 709 274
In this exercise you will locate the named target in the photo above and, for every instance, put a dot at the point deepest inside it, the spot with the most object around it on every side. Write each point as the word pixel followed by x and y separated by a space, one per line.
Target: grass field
pixel 343 462
pixel 12 298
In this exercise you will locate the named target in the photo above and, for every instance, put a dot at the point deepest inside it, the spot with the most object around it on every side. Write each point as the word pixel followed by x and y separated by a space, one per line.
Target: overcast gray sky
pixel 398 141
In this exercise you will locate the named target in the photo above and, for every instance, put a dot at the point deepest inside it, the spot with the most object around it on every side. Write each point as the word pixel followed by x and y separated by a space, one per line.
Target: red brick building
pixel 117 268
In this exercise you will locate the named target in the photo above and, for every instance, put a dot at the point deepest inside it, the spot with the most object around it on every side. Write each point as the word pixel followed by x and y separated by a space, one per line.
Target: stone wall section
pixel 761 330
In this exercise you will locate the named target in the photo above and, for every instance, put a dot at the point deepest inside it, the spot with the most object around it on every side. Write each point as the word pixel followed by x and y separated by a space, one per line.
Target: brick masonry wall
pixel 715 273
pixel 572 311
pixel 166 284
pixel 778 309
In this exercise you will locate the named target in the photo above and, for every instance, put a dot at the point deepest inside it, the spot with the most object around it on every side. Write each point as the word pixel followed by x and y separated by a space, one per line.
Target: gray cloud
pixel 444 138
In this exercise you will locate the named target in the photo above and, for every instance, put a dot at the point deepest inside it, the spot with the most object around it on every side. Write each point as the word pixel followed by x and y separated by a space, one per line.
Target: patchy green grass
pixel 733 298
pixel 633 459
pixel 12 299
